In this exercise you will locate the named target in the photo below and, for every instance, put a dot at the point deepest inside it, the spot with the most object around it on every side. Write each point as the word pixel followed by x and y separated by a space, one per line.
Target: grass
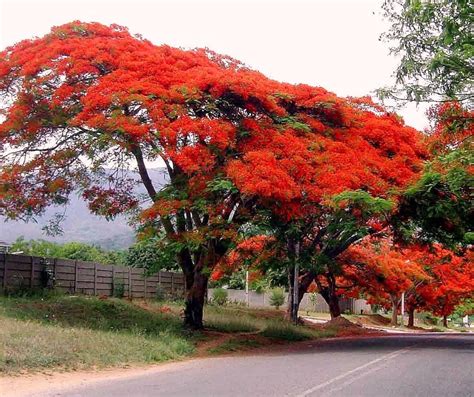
pixel 229 319
pixel 291 333
pixel 235 345
pixel 268 323
pixel 77 332
pixel 80 332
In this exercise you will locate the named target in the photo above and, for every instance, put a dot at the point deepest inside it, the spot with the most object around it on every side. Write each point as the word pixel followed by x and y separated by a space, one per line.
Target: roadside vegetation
pixel 53 331
pixel 68 332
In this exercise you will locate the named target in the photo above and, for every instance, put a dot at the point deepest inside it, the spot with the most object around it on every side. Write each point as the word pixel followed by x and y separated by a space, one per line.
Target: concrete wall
pixel 263 300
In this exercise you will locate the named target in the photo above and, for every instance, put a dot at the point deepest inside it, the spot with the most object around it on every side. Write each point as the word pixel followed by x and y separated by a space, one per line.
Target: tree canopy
pixel 87 97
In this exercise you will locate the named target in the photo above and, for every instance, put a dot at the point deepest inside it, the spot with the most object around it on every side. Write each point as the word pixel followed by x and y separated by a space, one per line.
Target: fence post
pixel 144 278
pixel 129 282
pixel 5 270
pixel 32 275
pixel 55 272
pixel 95 278
pixel 172 283
pixel 76 276
pixel 113 280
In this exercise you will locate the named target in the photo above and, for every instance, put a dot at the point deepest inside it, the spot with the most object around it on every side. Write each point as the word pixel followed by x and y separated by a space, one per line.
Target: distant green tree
pixel 152 254
pixel 434 41
pixel 466 308
pixel 69 250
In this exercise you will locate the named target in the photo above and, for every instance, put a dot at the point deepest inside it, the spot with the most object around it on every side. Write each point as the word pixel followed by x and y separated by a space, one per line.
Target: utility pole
pixel 295 283
pixel 403 307
pixel 247 297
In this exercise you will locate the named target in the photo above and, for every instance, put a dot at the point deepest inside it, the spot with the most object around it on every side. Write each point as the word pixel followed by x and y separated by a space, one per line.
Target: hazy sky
pixel 329 43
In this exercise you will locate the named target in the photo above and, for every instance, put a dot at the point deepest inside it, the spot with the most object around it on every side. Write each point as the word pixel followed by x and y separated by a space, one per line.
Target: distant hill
pixel 79 225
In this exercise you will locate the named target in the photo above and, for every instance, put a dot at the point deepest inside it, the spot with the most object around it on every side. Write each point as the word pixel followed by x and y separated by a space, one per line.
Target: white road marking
pixel 352 371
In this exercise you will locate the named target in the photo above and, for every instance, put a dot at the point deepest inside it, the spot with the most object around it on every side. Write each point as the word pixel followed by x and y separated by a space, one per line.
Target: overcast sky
pixel 329 43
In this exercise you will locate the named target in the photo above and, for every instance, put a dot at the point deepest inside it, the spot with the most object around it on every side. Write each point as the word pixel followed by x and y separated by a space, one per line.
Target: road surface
pixel 397 365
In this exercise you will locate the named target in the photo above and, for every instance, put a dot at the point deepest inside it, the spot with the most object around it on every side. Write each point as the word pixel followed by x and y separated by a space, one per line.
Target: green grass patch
pixel 91 313
pixel 289 332
pixel 230 320
pixel 235 345
pixel 79 332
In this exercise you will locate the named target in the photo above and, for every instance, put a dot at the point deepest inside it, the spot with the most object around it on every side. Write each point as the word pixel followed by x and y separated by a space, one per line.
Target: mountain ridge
pixel 80 224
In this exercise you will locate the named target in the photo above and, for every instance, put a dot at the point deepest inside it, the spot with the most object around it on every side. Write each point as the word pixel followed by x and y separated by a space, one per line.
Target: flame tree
pixel 85 103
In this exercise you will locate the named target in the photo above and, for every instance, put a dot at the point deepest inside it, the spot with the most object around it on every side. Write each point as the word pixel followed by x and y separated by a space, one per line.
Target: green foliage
pixel 465 308
pixel 364 201
pixel 221 185
pixel 277 298
pixel 76 332
pixel 70 250
pixel 259 285
pixel 152 254
pixel 160 293
pixel 439 206
pixel 313 298
pixel 283 330
pixel 234 345
pixel 433 40
pixel 235 280
pixel 219 296
pixel 294 123
pixel 118 288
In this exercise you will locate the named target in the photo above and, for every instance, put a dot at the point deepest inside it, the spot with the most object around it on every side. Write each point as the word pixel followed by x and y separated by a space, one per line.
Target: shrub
pixel 118 289
pixel 277 298
pixel 219 296
pixel 160 293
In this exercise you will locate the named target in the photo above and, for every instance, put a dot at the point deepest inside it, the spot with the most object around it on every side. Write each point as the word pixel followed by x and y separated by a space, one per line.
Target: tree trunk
pixel 194 305
pixel 445 321
pixel 411 317
pixel 330 296
pixel 304 282
pixel 196 284
pixel 290 306
pixel 334 307
pixel 394 300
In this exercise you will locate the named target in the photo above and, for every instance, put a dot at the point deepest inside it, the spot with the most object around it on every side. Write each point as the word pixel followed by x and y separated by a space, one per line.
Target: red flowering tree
pixel 382 271
pixel 326 185
pixel 451 281
pixel 87 99
pixel 433 278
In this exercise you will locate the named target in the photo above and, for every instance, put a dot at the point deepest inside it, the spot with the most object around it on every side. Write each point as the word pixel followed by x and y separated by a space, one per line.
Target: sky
pixel 329 43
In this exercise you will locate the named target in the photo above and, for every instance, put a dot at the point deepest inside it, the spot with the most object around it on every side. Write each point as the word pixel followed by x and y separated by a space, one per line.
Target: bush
pixel 118 288
pixel 219 296
pixel 160 293
pixel 277 298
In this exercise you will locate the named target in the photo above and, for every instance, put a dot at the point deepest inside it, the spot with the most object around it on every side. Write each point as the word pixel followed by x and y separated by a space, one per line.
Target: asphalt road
pixel 398 365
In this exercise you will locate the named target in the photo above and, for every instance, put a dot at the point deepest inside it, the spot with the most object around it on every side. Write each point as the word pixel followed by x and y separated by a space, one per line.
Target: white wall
pixel 263 300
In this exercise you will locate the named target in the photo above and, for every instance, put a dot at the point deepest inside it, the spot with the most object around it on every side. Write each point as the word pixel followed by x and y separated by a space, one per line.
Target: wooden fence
pixel 72 276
